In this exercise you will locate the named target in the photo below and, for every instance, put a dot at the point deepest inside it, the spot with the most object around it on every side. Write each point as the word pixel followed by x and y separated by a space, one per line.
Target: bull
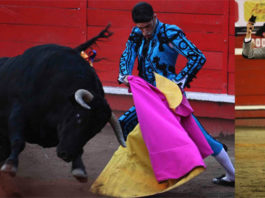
pixel 52 97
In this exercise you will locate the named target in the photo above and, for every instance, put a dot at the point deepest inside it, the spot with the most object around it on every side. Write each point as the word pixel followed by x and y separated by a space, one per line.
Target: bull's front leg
pixel 79 169
pixel 16 125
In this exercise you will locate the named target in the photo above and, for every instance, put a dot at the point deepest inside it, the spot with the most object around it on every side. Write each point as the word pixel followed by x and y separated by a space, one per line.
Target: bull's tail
pixel 103 34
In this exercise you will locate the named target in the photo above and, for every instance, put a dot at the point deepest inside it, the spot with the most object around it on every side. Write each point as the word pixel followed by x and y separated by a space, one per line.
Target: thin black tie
pixel 145 47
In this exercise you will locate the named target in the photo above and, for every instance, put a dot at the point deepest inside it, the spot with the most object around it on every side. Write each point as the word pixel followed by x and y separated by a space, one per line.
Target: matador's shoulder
pixel 171 31
pixel 136 35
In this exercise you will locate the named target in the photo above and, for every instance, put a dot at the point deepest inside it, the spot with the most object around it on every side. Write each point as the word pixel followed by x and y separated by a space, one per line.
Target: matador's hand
pixel 250 27
pixel 125 81
pixel 182 82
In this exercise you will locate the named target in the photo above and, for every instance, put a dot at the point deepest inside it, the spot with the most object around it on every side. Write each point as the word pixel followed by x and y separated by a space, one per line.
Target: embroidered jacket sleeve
pixel 129 54
pixel 250 52
pixel 178 41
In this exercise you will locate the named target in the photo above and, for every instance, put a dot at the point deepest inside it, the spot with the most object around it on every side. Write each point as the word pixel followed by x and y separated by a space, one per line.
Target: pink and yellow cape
pixel 165 150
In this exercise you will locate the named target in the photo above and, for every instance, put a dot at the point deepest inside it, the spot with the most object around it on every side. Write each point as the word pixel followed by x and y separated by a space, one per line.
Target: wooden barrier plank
pixel 250 82
pixel 41 16
pixel 250 114
pixel 212 81
pixel 231 45
pixel 248 64
pixel 208 41
pixel 10 49
pixel 231 63
pixel 232 17
pixel 213 110
pixel 239 41
pixel 226 41
pixel 44 3
pixel 231 49
pixel 214 60
pixel 250 99
pixel 231 83
pixel 187 22
pixel 117 18
pixel 215 7
pixel 195 22
pixel 42 34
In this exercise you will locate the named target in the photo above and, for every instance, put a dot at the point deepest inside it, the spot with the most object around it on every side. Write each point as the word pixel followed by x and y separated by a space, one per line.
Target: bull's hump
pixel 46 49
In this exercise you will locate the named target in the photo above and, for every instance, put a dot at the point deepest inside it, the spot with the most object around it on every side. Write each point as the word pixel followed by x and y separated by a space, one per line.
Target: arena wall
pixel 208 24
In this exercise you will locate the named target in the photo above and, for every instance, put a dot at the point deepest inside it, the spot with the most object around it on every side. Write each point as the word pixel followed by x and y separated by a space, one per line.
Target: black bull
pixel 51 96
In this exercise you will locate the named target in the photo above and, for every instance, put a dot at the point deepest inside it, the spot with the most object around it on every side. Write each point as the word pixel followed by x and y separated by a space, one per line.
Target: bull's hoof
pixel 80 175
pixel 9 169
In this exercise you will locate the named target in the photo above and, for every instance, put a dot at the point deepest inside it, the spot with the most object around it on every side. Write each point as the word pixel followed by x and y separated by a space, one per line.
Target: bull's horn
pixel 83 97
pixel 117 129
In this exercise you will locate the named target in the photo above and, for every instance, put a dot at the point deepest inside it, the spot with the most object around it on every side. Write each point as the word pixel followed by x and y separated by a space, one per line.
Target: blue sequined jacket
pixel 166 43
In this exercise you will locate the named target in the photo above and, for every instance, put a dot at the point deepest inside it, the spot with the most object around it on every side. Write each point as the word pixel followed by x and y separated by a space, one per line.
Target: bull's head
pixel 83 122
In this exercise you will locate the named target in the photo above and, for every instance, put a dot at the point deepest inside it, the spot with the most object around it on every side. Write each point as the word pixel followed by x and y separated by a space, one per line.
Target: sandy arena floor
pixel 42 175
pixel 250 162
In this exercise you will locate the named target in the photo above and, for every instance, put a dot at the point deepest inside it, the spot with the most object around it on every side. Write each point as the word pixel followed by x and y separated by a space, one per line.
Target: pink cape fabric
pixel 174 141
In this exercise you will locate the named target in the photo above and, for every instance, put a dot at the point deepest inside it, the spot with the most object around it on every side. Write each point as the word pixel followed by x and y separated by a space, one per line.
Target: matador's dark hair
pixel 142 12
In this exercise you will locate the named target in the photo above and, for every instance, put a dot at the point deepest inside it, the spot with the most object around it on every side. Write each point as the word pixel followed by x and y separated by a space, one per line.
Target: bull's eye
pixel 78 118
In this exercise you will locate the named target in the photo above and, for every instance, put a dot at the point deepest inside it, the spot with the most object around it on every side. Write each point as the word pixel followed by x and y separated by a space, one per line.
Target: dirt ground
pixel 42 175
pixel 250 162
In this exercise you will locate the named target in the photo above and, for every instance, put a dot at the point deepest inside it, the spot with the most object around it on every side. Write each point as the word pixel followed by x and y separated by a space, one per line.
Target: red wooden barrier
pixel 208 24
pixel 214 7
pixel 46 16
pixel 45 3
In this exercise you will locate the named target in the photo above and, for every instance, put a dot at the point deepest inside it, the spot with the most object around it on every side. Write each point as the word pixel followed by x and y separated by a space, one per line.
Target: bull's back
pixel 23 71
pixel 39 70
pixel 45 69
